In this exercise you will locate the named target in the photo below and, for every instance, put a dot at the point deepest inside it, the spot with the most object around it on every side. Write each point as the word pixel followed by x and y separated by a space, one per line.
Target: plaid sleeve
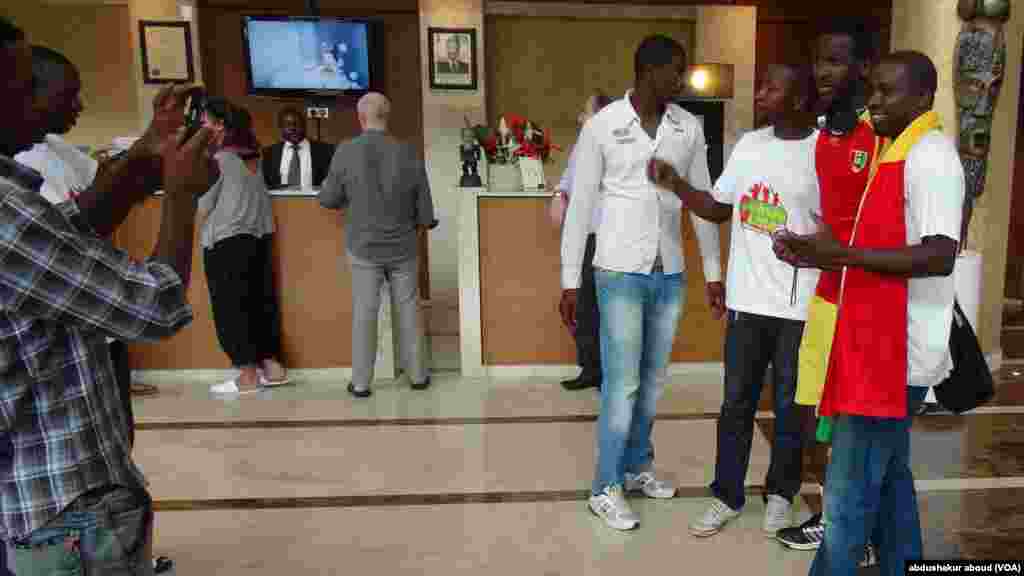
pixel 52 271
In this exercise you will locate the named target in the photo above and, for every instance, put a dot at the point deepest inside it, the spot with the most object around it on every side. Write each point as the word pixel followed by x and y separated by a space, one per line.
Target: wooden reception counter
pixel 313 284
pixel 510 287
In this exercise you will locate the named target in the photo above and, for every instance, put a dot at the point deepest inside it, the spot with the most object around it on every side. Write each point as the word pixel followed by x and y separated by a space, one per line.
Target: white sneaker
pixel 230 388
pixel 776 514
pixel 651 487
pixel 713 520
pixel 611 506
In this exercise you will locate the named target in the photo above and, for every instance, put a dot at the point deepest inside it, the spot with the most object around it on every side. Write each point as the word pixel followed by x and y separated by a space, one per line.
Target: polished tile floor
pixel 482 476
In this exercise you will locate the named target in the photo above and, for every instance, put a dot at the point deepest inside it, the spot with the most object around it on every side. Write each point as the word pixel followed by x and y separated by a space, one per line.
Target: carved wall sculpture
pixel 979 63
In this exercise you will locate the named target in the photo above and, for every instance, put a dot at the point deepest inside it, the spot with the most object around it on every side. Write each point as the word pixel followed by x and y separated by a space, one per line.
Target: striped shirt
pixel 62 291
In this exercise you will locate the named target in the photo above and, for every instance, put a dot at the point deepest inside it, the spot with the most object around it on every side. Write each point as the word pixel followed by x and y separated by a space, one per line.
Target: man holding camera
pixel 69 491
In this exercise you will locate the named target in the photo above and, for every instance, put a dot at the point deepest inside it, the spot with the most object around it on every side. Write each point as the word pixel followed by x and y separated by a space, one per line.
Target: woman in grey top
pixel 236 226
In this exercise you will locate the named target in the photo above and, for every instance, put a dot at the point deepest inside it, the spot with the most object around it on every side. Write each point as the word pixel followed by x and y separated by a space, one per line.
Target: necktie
pixel 294 173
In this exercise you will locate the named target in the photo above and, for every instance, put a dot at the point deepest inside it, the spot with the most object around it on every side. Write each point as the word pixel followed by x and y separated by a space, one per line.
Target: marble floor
pixel 484 476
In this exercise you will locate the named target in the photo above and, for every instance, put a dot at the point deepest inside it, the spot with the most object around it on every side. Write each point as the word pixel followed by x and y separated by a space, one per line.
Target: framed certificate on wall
pixel 166 52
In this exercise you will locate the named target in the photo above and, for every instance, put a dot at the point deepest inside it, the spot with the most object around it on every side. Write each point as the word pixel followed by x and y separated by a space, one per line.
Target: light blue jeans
pixel 639 318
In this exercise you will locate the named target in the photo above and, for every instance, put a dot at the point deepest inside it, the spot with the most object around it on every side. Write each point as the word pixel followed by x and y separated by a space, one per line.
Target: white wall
pixel 443 118
pixel 727 35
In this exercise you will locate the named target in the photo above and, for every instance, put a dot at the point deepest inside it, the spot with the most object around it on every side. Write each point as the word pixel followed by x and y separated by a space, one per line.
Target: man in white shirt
pixel 898 293
pixel 638 263
pixel 588 319
pixel 769 184
pixel 295 161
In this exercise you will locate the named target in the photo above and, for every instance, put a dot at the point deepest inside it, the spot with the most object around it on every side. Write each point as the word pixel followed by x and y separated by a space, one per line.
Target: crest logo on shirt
pixel 858 160
pixel 762 211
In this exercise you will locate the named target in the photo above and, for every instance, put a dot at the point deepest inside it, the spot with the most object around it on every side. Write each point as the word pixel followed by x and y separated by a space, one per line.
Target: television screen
pixel 308 54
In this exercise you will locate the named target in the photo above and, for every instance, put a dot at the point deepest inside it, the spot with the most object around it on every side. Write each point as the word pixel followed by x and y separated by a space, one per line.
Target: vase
pixel 504 177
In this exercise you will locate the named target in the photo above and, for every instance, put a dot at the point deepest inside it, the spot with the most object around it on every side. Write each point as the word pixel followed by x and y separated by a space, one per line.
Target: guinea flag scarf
pixel 868 369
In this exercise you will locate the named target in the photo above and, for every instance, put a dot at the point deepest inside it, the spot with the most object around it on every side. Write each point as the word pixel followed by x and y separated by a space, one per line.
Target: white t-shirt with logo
pixel 933 182
pixel 771 184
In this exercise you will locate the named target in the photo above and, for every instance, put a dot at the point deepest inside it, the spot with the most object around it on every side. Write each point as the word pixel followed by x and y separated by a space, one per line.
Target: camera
pixel 194 112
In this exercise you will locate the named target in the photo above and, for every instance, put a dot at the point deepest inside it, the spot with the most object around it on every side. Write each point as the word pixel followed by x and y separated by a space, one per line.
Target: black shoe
pixel 806 536
pixel 928 408
pixel 359 393
pixel 581 382
pixel 162 564
pixel 870 557
pixel 422 385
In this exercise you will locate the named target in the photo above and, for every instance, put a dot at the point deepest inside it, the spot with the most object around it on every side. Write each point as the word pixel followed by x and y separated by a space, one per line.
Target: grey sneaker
pixel 651 487
pixel 713 520
pixel 611 506
pixel 776 514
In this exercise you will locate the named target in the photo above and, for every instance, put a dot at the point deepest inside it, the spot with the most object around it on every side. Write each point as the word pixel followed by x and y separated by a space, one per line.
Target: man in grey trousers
pixel 381 184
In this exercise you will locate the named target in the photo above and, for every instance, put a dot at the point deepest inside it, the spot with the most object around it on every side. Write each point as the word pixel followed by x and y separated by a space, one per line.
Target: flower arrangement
pixel 516 137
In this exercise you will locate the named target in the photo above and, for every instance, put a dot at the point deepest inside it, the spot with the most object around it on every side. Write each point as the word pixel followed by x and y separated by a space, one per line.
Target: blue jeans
pixel 639 317
pixel 108 534
pixel 752 342
pixel 870 491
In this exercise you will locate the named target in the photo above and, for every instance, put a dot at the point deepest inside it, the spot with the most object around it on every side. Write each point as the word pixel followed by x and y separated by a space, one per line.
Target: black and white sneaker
pixel 870 557
pixel 806 536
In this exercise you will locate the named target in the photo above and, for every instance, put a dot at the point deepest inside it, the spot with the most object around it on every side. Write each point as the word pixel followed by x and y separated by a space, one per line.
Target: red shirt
pixel 844 166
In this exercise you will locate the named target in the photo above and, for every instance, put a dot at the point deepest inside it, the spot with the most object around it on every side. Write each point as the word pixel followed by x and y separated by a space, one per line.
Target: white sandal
pixel 230 388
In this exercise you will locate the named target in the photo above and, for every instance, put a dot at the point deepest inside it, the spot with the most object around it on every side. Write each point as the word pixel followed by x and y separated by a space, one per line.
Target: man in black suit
pixel 453 65
pixel 295 162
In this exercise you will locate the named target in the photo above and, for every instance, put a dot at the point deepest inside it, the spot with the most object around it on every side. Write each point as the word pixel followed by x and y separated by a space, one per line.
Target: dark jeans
pixel 240 277
pixel 588 318
pixel 752 342
pixel 870 491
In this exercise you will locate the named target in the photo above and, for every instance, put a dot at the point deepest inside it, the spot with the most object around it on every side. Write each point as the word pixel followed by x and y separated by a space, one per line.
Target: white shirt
pixel 65 169
pixel 639 220
pixel 771 184
pixel 305 164
pixel 934 193
pixel 565 186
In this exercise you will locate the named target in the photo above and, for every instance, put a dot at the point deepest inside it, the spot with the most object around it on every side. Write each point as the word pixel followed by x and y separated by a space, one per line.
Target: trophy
pixel 469 150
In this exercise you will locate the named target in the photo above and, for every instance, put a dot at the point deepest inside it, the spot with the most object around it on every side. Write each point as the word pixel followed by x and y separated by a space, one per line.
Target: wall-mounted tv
pixel 300 57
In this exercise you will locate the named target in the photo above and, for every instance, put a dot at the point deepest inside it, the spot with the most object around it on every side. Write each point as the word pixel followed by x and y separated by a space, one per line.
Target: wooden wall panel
pixel 521 286
pixel 224 70
pixel 1014 266
pixel 548 78
pixel 313 285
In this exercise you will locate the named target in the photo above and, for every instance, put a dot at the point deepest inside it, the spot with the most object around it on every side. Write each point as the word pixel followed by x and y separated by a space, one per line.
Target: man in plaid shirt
pixel 70 496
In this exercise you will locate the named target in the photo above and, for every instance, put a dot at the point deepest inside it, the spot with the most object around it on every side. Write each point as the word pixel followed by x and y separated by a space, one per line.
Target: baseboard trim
pixel 569 370
pixel 220 375
pixel 345 372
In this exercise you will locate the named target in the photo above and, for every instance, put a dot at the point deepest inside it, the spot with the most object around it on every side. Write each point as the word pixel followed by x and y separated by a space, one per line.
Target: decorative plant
pixel 516 137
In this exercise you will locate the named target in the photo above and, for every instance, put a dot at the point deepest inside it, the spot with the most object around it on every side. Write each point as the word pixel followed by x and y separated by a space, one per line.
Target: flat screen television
pixel 301 57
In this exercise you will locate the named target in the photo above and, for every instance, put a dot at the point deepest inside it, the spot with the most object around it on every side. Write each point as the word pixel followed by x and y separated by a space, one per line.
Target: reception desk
pixel 509 283
pixel 312 277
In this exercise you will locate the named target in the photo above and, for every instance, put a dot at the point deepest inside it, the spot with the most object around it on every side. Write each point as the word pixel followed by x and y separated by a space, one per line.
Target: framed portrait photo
pixel 166 52
pixel 452 58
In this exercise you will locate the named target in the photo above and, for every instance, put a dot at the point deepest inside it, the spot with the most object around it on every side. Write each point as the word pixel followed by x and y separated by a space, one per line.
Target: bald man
pixel 381 184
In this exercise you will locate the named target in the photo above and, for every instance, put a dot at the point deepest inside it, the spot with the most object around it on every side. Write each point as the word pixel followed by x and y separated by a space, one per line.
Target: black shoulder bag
pixel 970 384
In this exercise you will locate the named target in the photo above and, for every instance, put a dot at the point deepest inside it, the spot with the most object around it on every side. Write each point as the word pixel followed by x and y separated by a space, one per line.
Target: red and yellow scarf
pixel 868 368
